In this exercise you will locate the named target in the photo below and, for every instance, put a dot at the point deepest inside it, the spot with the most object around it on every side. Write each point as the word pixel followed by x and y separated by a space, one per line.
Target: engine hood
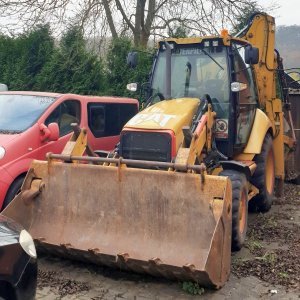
pixel 165 115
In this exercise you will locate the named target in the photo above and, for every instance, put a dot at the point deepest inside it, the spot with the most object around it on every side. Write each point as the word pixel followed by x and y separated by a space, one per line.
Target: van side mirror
pixel 132 59
pixel 251 55
pixel 50 132
pixel 54 132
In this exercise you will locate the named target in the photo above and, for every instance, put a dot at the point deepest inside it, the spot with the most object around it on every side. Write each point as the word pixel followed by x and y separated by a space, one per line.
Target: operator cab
pixel 208 67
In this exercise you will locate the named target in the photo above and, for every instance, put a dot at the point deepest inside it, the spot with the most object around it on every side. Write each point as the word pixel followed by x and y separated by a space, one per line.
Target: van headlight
pixel 2 152
pixel 27 243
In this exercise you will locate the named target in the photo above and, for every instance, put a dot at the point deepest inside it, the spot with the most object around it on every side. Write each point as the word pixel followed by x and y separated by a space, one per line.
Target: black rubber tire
pixel 13 190
pixel 263 201
pixel 239 193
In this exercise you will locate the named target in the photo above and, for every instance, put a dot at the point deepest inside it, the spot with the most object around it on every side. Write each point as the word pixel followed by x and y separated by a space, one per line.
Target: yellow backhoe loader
pixel 172 200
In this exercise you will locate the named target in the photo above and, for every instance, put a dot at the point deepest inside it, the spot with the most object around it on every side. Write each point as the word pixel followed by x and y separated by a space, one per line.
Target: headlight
pixel 2 152
pixel 27 243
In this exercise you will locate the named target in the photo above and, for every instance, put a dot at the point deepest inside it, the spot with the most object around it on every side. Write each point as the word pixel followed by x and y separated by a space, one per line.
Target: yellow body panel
pixel 261 34
pixel 260 127
pixel 166 115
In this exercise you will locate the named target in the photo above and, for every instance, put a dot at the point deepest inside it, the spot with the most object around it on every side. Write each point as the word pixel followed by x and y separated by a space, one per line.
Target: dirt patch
pixel 279 264
pixel 291 195
pixel 61 285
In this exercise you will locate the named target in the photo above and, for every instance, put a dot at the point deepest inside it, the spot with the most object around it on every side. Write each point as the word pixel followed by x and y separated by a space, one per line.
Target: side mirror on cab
pixel 132 59
pixel 132 87
pixel 251 55
pixel 50 132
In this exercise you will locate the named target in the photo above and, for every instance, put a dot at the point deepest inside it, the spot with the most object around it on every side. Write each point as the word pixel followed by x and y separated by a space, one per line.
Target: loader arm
pixel 191 150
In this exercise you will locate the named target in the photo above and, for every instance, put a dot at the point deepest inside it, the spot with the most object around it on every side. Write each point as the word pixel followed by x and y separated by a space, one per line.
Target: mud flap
pixel 163 223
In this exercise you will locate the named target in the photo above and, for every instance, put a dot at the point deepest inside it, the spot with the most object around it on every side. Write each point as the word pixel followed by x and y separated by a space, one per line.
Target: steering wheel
pixel 152 98
pixel 216 106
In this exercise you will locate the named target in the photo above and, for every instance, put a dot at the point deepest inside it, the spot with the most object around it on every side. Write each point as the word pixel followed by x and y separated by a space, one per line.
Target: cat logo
pixel 158 118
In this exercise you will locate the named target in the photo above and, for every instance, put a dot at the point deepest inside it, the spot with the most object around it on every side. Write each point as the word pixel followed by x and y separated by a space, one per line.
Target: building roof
pixel 293 85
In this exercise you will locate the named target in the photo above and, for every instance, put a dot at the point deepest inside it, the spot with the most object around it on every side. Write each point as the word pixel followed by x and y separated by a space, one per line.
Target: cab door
pixel 246 103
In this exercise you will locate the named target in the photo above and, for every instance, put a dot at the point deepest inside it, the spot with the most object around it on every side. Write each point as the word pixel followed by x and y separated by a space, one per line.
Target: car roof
pixel 84 98
pixel 111 99
pixel 46 94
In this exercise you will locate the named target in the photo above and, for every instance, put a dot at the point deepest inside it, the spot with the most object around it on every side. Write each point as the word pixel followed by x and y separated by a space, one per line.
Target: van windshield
pixel 19 112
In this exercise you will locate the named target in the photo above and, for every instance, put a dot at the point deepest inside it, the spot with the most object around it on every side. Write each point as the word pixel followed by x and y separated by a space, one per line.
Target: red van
pixel 34 123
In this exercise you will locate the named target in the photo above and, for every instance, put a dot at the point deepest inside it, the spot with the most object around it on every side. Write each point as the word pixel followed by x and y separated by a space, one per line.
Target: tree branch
pixel 120 8
pixel 109 18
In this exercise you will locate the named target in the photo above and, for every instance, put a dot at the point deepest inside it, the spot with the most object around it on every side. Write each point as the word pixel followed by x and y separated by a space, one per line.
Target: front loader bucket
pixel 164 223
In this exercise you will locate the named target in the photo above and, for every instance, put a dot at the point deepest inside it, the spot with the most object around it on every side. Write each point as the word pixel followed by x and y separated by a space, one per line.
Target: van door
pixel 66 113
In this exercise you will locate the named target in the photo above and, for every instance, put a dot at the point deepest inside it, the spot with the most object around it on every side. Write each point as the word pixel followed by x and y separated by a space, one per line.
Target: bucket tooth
pixel 66 246
pixel 94 251
pixel 155 261
pixel 122 258
pixel 40 239
pixel 189 268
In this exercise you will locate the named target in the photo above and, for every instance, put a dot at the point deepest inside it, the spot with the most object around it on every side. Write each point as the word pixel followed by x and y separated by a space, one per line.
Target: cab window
pixel 244 75
pixel 247 99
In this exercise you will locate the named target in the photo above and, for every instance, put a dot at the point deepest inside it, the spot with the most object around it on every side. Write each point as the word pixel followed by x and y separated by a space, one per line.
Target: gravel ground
pixel 266 268
pixel 274 243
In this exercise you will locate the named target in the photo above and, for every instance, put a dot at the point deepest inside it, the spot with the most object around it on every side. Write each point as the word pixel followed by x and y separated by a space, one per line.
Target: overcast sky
pixel 287 14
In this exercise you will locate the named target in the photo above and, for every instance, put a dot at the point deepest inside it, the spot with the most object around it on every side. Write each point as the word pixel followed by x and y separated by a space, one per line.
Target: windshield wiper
pixel 206 53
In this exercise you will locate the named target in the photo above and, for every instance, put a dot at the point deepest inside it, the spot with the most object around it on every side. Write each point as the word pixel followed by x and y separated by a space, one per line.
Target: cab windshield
pixel 195 71
pixel 19 112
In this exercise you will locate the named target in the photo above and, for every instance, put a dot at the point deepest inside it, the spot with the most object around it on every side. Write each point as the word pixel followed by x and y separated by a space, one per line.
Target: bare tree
pixel 137 18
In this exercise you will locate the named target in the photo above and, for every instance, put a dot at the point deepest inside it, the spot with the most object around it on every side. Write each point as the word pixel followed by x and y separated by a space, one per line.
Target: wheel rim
pixel 242 212
pixel 270 172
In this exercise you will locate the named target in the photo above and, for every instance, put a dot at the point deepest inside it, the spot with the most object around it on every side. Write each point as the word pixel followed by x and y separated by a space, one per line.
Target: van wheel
pixel 264 177
pixel 239 207
pixel 13 190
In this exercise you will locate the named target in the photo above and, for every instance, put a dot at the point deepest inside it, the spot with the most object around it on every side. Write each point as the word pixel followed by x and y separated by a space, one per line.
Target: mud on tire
pixel 239 207
pixel 264 177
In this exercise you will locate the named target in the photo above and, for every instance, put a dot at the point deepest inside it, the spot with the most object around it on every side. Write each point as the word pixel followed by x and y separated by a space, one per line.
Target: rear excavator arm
pixel 261 33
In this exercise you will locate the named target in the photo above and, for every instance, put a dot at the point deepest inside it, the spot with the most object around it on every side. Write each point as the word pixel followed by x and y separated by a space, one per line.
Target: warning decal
pixel 222 128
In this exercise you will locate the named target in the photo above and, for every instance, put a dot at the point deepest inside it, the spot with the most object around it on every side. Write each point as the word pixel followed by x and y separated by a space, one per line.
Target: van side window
pixel 108 119
pixel 64 115
pixel 97 119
